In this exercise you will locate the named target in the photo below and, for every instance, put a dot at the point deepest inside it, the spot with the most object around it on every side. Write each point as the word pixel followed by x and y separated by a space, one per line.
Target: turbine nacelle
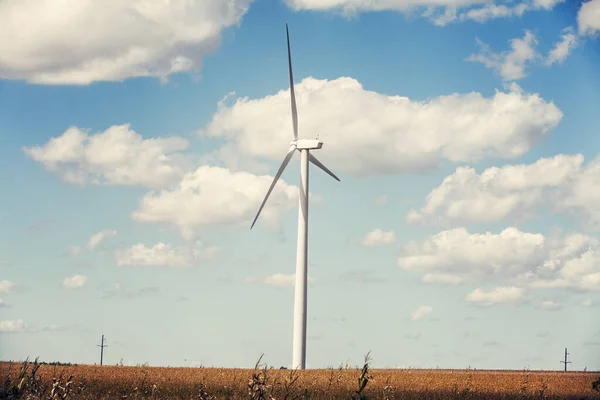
pixel 307 144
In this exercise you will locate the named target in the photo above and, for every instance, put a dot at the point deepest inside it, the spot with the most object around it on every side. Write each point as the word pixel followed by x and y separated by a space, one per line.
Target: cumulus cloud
pixel 13 326
pixel 511 191
pixel 588 17
pixel 457 253
pixel 420 313
pixel 498 295
pixel 440 12
pixel 93 242
pixel 378 237
pixel 162 254
pixel 74 282
pixel 516 258
pixel 211 196
pixel 82 41
pixel 117 156
pixel 549 305
pixel 367 133
pixel 561 50
pixel 277 280
pixel 582 194
pixel 510 64
pixel 7 287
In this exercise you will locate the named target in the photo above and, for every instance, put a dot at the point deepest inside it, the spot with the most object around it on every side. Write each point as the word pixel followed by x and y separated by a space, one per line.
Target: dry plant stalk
pixel 32 380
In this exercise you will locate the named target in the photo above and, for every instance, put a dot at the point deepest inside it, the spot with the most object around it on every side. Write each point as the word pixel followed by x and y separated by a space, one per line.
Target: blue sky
pixel 138 141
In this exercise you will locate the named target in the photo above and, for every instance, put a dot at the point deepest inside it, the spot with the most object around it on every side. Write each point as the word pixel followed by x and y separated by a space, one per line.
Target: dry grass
pixel 118 382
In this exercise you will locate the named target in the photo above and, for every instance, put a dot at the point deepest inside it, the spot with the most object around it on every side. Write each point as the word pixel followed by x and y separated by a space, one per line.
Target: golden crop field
pixel 120 382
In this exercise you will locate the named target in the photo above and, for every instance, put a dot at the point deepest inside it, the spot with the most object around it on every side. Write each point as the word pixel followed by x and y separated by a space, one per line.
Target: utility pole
pixel 102 346
pixel 566 362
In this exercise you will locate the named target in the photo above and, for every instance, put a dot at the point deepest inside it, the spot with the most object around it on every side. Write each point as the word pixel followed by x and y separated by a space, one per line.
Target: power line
pixel 566 362
pixel 102 346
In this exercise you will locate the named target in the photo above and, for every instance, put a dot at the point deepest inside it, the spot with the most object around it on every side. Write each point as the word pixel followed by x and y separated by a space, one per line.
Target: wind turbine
pixel 303 146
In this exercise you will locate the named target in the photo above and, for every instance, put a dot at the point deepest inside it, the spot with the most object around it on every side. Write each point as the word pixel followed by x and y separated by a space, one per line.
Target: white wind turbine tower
pixel 303 146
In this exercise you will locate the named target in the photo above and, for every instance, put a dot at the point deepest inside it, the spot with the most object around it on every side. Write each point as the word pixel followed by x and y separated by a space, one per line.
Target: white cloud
pixel 412 336
pixel 591 281
pixel 587 303
pixel 12 326
pixel 278 280
pixel 58 328
pixel 512 257
pixel 442 278
pixel 97 238
pixel 513 192
pixel 420 313
pixel 413 216
pixel 82 41
pixel 162 254
pixel 117 156
pixel 496 194
pixel 494 11
pixel 93 242
pixel 498 295
pixel 562 49
pixel 511 64
pixel 546 4
pixel 351 6
pixel 441 12
pixel 228 156
pixel 2 303
pixel 464 255
pixel 366 276
pixel 378 237
pixel 368 133
pixel 441 16
pixel 582 194
pixel 74 282
pixel 121 290
pixel 7 287
pixel 53 328
pixel 75 250
pixel 588 17
pixel 381 200
pixel 212 196
pixel 549 305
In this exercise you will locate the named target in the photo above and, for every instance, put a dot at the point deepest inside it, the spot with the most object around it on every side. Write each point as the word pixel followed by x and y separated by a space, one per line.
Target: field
pixel 44 381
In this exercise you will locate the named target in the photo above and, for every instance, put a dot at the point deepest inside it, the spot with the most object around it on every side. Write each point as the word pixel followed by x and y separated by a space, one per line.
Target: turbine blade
pixel 294 110
pixel 319 164
pixel 284 164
